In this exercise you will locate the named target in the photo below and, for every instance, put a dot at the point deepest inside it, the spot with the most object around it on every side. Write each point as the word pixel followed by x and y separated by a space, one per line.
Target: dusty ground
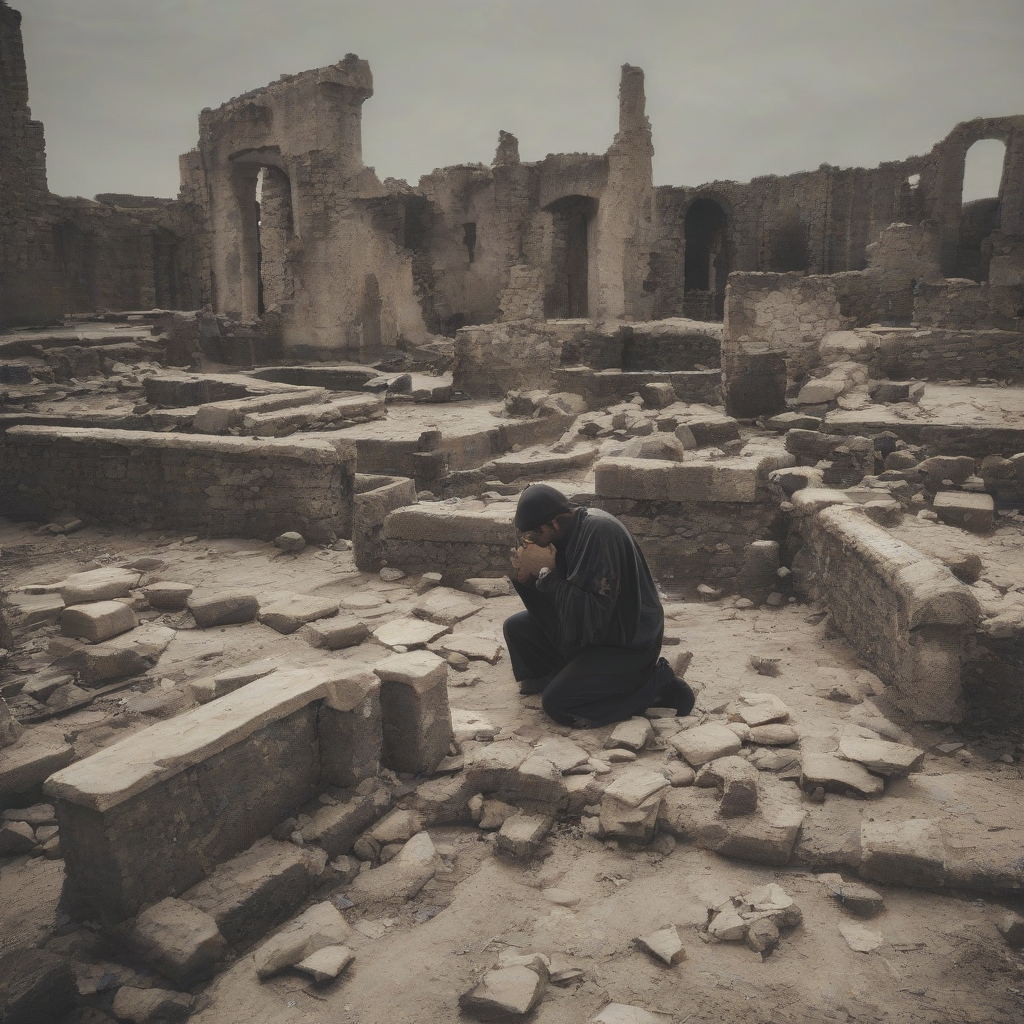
pixel 942 957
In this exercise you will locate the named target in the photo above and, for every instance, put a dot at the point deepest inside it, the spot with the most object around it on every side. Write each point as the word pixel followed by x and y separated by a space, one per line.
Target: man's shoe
pixel 530 687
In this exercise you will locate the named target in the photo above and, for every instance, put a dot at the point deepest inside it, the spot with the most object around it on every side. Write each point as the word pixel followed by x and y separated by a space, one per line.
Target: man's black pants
pixel 597 686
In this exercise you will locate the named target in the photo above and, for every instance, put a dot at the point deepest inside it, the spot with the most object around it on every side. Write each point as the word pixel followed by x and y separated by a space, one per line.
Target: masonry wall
pixel 219 486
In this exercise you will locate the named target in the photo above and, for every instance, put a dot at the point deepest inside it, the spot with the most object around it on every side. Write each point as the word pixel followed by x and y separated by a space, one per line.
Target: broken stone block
pixel 736 781
pixel 500 586
pixel 291 543
pixel 288 613
pixel 880 756
pixel 98 585
pixel 397 826
pixel 505 993
pixel 835 775
pixel 35 986
pixel 1011 927
pixel 775 734
pixel 408 633
pixel 658 395
pixel 443 801
pixel 956 468
pixel 664 945
pixel 205 690
pixel 521 835
pixel 727 925
pixel 350 729
pixel 335 634
pixel 565 755
pixel 479 648
pixel 180 941
pixel 705 743
pixel 632 734
pixel 167 597
pixel 623 1013
pixel 756 709
pixel 771 901
pixel 468 725
pixel 224 609
pixel 414 708
pixel 852 896
pixel 146 1005
pixel 36 815
pixel 494 814
pixel 493 767
pixel 974 512
pixel 902 853
pixel 336 827
pixel 320 926
pixel 402 877
pixel 126 655
pixel 16 837
pixel 97 622
pixel 445 607
pixel 859 938
pixel 326 963
pixel 257 890
pixel 762 935
pixel 679 774
pixel 630 804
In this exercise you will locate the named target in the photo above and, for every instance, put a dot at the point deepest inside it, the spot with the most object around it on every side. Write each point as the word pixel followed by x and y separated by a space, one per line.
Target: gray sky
pixel 735 88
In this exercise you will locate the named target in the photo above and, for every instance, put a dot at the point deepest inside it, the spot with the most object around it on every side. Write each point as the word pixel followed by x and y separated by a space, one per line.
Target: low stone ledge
pixel 438 521
pixel 375 498
pixel 219 417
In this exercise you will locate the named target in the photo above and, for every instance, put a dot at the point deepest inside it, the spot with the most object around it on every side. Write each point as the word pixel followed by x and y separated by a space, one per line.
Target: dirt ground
pixel 941 959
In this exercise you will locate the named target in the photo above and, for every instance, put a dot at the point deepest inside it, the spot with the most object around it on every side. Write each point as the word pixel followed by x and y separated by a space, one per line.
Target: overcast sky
pixel 735 88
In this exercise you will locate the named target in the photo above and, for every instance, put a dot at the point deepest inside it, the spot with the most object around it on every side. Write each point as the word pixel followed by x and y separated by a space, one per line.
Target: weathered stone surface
pixel 31 759
pixel 762 935
pixel 623 1013
pixel 562 753
pixel 35 987
pixel 224 609
pixel 664 945
pixel 402 877
pixel 505 993
pixel 479 648
pixel 499 586
pixel 256 890
pixel 493 767
pixel 149 1005
pixel 326 963
pixel 319 926
pixel 98 585
pixel 852 896
pixel 168 597
pixel 97 622
pixel 397 826
pixel 521 835
pixel 16 837
pixel 630 804
pixel 335 634
pixel 633 734
pixel 36 815
pixel 837 776
pixel 860 938
pixel 705 743
pixel 409 633
pixel 232 679
pixel 775 734
pixel 445 607
pixel 180 941
pixel 756 709
pixel 880 756
pixel 903 853
pixel 736 780
pixel 290 542
pixel 974 512
pixel 335 827
pixel 728 926
pixel 414 707
pixel 288 613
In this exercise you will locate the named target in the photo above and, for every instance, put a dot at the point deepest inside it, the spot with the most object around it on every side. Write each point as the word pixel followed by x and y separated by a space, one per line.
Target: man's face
pixel 543 535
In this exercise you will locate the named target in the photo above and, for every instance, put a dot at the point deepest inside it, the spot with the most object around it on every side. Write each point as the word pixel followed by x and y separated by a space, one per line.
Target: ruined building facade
pixel 278 213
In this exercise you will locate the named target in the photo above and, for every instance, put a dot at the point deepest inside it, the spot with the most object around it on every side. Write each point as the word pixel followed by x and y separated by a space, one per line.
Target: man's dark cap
pixel 539 504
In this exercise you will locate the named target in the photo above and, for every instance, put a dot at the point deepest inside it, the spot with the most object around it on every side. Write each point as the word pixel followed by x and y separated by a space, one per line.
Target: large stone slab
pixel 228 608
pixel 835 775
pixel 445 606
pixel 97 622
pixel 402 877
pixel 706 743
pixel 287 613
pixel 409 633
pixel 316 928
pixel 178 940
pixel 903 852
pixel 31 759
pixel 98 585
pixel 880 756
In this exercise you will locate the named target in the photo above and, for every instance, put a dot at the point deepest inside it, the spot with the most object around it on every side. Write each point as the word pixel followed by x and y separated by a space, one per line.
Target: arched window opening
pixel 980 208
pixel 983 170
pixel 706 263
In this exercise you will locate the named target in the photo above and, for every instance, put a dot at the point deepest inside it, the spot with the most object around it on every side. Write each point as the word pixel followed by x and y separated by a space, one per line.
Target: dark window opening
pixel 166 282
pixel 706 263
pixel 569 288
pixel 469 239
pixel 789 246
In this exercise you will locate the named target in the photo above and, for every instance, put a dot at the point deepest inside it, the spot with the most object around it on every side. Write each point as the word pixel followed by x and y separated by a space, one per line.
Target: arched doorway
pixel 706 263
pixel 166 283
pixel 979 208
pixel 568 293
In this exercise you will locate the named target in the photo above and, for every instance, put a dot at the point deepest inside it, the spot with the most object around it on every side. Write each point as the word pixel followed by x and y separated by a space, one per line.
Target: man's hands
pixel 531 558
pixel 522 576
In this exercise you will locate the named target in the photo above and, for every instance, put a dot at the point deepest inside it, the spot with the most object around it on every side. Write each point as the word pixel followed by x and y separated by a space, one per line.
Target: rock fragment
pixel 178 940
pixel 705 743
pixel 664 945
pixel 97 622
pixel 223 609
pixel 507 992
pixel 521 835
pixel 326 963
pixel 320 926
pixel 632 734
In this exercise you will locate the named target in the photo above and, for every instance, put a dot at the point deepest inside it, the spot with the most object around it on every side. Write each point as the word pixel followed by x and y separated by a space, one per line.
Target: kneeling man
pixel 590 638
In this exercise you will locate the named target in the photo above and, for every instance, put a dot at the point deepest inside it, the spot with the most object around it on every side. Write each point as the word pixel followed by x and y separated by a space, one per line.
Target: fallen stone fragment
pixel 291 543
pixel 97 622
pixel 408 633
pixel 1011 927
pixel 521 835
pixel 494 814
pixel 391 575
pixel 288 613
pixel 664 945
pixel 630 805
pixel 507 992
pixel 402 877
pixel 16 837
pixel 852 896
pixel 903 852
pixel 762 935
pixel 167 597
pixel 706 742
pixel 469 725
pixel 623 1013
pixel 756 709
pixel 98 585
pixel 632 734
pixel 335 634
pixel 773 902
pixel 326 963
pixel 445 607
pixel 567 976
pixel 565 755
pixel 36 815
pixel 775 734
pixel 736 781
pixel 35 986
pixel 319 926
pixel 620 755
pixel 728 926
pixel 974 512
pixel 148 1005
pixel 224 609
pixel 880 756
pixel 860 938
pixel 560 897
pixel 679 774
pixel 180 941
pixel 835 775
pixel 479 648
pixel 500 586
